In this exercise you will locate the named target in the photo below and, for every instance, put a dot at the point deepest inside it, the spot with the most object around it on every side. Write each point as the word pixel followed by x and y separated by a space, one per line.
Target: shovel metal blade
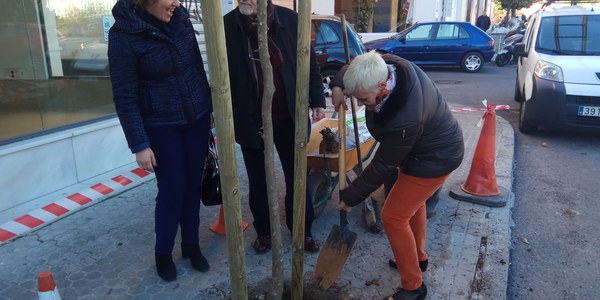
pixel 333 255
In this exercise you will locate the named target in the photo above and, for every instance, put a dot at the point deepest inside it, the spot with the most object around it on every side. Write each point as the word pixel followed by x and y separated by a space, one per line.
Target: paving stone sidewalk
pixel 106 250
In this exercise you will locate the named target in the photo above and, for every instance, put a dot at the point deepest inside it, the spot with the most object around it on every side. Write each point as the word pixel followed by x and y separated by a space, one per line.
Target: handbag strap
pixel 211 142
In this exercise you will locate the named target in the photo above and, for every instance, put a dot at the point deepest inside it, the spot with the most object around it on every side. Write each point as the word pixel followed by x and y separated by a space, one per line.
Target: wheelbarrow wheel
pixel 319 191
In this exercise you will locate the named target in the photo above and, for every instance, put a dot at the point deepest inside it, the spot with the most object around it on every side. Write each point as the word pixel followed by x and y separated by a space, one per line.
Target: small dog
pixel 329 144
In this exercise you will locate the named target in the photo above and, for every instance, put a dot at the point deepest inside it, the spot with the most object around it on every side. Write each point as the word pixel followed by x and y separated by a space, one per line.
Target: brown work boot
pixel 262 244
pixel 310 245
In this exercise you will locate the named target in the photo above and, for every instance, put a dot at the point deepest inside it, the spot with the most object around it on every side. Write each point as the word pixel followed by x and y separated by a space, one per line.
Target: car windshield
pixel 326 34
pixel 570 35
pixel 402 32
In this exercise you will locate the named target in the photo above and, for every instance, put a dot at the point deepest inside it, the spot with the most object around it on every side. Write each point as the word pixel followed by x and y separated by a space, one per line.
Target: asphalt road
pixel 556 241
pixel 555 237
pixel 492 83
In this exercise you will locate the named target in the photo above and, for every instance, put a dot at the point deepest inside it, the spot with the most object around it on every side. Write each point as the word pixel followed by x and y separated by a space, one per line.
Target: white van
pixel 558 72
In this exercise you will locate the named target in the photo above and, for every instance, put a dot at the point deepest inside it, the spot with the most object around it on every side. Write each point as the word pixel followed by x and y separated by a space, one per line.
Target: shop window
pixel 54 63
pixel 83 47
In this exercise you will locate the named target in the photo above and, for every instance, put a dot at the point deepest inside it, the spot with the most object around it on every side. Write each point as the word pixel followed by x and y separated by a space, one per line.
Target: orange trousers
pixel 405 221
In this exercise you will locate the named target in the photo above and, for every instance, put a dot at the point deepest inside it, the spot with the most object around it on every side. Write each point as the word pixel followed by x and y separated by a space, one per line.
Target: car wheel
pixel 524 125
pixel 518 97
pixel 319 191
pixel 327 76
pixel 472 62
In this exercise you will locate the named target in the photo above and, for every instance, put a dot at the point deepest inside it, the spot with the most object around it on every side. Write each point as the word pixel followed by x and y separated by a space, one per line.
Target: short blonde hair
pixel 365 72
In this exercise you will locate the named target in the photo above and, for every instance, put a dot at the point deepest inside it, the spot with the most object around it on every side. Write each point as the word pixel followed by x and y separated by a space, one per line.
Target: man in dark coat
pixel 483 22
pixel 246 93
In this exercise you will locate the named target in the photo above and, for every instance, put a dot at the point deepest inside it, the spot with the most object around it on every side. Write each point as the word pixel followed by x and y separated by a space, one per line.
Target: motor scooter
pixel 505 55
pixel 517 29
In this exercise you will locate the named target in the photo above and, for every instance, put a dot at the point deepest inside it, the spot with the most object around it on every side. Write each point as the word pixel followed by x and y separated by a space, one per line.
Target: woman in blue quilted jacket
pixel 163 101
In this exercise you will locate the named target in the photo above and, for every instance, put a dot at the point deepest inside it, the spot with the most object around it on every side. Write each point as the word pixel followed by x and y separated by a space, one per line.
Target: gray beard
pixel 246 11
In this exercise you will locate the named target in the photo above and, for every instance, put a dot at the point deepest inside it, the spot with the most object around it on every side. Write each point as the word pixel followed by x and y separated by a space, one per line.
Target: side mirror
pixel 402 39
pixel 519 50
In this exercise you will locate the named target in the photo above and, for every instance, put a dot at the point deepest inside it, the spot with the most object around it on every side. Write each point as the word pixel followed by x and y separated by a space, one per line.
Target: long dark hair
pixel 143 3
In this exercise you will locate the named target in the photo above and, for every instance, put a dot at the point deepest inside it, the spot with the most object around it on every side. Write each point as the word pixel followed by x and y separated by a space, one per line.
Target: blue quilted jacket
pixel 157 79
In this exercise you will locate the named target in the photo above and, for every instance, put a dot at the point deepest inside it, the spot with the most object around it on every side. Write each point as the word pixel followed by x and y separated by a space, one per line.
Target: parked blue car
pixel 440 43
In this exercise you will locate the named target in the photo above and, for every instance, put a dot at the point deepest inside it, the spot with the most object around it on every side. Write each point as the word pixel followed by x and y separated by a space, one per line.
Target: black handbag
pixel 211 182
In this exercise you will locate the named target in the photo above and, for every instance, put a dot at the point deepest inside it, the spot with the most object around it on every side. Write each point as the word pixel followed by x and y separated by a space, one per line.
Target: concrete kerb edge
pixel 76 201
pixel 500 200
pixel 494 279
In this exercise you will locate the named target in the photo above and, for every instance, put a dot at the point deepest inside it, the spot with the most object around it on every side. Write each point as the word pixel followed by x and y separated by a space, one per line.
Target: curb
pixel 65 206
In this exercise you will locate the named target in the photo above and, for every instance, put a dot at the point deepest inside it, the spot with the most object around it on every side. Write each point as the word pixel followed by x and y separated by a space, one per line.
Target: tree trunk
pixel 301 116
pixel 269 148
pixel 221 99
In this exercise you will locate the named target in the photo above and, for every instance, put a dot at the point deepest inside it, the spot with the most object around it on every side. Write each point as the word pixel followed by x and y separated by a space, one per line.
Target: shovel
pixel 369 204
pixel 368 208
pixel 339 243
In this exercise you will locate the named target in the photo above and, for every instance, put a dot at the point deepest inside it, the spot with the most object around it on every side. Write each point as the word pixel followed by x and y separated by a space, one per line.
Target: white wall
pixel 438 10
pixel 462 10
pixel 448 10
pixel 321 7
pixel 228 6
pixel 422 10
pixel 46 164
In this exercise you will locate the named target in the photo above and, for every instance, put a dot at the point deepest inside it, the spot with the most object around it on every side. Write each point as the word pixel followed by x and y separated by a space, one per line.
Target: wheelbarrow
pixel 321 182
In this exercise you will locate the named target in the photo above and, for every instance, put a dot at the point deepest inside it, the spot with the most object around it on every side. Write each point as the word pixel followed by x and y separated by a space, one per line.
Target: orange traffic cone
pixel 481 186
pixel 47 289
pixel 219 225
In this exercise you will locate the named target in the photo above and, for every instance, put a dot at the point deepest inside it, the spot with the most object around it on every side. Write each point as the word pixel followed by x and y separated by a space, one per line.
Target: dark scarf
pixel 250 25
pixel 167 28
pixel 280 109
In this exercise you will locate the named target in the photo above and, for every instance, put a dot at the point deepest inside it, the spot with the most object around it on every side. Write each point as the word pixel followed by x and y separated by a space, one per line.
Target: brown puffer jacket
pixel 416 131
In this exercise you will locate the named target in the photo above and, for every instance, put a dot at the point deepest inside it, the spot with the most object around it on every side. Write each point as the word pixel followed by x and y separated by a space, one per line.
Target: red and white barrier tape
pixel 69 204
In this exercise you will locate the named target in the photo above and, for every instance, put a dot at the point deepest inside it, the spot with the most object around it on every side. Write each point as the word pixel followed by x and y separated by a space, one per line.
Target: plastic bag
pixel 363 131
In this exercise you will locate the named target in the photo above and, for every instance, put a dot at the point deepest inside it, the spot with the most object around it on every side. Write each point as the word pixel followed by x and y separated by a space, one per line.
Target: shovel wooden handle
pixel 353 106
pixel 342 151
pixel 342 159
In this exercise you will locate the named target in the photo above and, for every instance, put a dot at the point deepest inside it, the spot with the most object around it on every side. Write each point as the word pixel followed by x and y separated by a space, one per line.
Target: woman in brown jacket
pixel 419 138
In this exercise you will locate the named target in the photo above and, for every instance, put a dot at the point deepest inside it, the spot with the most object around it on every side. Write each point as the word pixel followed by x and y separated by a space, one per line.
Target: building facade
pixel 58 125
pixel 57 120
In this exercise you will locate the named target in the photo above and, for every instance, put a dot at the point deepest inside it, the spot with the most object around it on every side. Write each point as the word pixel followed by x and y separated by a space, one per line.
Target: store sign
pixel 107 23
pixel 406 8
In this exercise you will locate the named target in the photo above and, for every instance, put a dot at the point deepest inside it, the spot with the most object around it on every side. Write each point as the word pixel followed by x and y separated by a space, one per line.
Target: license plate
pixel 589 111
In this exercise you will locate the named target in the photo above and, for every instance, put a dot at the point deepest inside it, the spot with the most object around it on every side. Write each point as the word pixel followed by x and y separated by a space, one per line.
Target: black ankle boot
pixel 195 255
pixel 165 267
